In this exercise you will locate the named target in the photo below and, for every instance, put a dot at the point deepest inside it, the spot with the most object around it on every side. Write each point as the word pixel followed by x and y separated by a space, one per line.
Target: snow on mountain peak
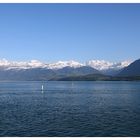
pixel 104 65
pixel 36 63
pixel 62 64
pixel 97 64
pixel 20 64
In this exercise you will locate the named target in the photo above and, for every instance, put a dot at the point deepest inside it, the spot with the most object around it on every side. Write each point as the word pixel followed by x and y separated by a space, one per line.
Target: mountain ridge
pixel 66 70
pixel 96 64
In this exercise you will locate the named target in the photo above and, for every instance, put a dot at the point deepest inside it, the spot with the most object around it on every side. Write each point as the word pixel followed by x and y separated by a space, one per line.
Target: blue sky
pixel 52 32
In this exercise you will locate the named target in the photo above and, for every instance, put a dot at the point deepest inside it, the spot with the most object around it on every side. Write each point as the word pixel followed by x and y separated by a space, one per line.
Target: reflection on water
pixel 70 108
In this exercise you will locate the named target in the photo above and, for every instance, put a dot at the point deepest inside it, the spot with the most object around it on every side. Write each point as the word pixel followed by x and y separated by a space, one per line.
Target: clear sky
pixel 81 32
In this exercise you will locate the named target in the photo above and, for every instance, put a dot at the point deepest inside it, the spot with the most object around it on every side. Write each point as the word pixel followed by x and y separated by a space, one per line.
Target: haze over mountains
pixel 36 70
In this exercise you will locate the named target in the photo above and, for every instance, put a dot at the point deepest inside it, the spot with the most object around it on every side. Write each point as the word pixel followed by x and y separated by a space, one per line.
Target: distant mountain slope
pixel 26 74
pixel 44 73
pixel 111 72
pixel 83 70
pixel 132 70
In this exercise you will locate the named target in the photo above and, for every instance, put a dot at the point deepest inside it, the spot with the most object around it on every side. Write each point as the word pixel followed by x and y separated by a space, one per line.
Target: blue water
pixel 102 108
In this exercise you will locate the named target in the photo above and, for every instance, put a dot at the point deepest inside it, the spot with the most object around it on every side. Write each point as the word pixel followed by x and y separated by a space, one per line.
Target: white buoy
pixel 42 88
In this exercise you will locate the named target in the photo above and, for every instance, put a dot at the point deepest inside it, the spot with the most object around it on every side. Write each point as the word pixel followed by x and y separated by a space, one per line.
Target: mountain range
pixel 96 64
pixel 63 70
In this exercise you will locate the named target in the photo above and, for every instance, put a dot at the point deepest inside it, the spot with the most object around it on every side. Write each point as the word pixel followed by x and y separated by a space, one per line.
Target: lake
pixel 98 108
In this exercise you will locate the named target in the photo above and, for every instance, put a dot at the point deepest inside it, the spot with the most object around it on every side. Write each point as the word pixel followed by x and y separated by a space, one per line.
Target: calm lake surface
pixel 102 108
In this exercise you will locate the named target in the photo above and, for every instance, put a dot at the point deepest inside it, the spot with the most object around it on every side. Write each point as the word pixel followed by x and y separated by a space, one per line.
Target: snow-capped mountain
pixel 21 64
pixel 104 65
pixel 62 64
pixel 96 64
pixel 37 70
